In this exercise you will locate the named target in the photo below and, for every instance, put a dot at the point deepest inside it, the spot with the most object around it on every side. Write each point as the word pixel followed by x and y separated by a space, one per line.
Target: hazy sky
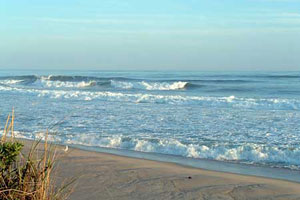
pixel 150 34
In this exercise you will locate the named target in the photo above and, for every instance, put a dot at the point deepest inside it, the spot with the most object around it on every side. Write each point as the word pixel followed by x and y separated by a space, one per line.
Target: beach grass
pixel 29 174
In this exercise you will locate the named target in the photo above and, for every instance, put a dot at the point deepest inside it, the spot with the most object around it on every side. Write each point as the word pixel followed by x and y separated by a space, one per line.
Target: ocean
pixel 241 117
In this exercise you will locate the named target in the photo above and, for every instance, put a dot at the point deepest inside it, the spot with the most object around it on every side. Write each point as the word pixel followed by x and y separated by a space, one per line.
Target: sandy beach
pixel 107 176
pixel 156 100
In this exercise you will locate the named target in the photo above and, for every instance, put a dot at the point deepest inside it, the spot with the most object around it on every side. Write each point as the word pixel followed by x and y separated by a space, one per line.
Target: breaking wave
pixel 61 84
pixel 75 82
pixel 275 156
pixel 150 85
pixel 255 153
pixel 84 81
pixel 232 117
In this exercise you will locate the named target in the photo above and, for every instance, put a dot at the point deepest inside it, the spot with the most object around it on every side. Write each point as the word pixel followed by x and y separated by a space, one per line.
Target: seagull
pixel 66 149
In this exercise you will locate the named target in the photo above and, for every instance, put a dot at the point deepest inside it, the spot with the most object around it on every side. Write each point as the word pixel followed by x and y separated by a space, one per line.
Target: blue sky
pixel 150 35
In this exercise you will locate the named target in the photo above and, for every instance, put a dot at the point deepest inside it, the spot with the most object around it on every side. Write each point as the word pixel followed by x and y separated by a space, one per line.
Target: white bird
pixel 66 149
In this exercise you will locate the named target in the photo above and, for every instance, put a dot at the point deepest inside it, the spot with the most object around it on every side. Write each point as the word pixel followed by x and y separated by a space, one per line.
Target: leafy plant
pixel 9 151
pixel 28 176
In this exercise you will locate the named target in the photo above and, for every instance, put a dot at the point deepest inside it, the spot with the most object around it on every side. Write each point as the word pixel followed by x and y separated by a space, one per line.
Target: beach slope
pixel 107 176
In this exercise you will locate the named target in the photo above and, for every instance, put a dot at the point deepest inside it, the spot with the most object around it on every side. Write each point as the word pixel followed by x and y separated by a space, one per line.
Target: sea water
pixel 241 117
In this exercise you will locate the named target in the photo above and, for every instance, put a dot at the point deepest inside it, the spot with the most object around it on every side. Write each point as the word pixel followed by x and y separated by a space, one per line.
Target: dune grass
pixel 29 174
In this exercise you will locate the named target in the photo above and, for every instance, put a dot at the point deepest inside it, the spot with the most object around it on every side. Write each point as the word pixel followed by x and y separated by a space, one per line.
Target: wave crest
pixel 150 85
pixel 62 84
pixel 52 81
pixel 283 156
pixel 244 153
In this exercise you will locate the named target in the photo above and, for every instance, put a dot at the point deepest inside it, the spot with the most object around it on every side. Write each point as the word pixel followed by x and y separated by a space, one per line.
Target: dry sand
pixel 106 176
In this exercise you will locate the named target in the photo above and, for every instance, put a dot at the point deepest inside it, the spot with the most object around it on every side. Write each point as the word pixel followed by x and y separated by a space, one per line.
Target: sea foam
pixel 231 101
pixel 238 117
pixel 150 85
pixel 247 152
pixel 283 156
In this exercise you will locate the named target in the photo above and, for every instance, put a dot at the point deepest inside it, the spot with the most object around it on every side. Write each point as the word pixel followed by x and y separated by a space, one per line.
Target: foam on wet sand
pixel 107 176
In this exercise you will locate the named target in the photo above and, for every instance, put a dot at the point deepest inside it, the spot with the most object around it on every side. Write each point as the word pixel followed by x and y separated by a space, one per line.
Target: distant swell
pixel 261 76
pixel 81 78
pixel 123 83
pixel 284 76
pixel 87 81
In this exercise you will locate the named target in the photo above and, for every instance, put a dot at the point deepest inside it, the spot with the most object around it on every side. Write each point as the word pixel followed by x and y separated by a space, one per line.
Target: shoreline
pixel 284 174
pixel 109 176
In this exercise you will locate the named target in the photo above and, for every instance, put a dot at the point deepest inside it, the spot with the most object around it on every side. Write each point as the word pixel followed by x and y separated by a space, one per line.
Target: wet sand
pixel 106 176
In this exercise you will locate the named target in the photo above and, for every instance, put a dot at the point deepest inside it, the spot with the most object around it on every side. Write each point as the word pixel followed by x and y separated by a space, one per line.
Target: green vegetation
pixel 30 175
